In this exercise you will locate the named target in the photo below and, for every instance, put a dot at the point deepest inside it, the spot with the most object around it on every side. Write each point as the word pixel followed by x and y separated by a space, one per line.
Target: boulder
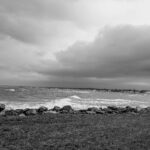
pixel 117 110
pixel 94 109
pixel 90 112
pixel 126 109
pixel 64 111
pixel 82 111
pixel 19 111
pixel 67 109
pixel 56 108
pixel 113 108
pixel 100 111
pixel 145 110
pixel 2 113
pixel 26 109
pixel 76 112
pixel 108 111
pixel 10 113
pixel 2 107
pixel 22 115
pixel 121 110
pixel 138 109
pixel 130 109
pixel 29 112
pixel 42 109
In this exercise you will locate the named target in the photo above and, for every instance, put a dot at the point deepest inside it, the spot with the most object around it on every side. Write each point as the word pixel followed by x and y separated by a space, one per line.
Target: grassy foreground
pixel 76 132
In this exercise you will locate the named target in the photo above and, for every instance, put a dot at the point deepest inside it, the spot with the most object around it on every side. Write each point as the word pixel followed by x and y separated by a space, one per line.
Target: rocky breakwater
pixel 69 110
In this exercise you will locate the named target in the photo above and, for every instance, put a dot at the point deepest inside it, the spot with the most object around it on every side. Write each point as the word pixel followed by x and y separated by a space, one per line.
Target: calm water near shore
pixel 33 97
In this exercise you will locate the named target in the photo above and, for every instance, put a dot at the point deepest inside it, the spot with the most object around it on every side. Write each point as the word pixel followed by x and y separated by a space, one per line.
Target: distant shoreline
pixel 92 89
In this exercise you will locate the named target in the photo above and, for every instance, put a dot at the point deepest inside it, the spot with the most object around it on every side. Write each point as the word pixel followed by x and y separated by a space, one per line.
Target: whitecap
pixel 11 90
pixel 75 96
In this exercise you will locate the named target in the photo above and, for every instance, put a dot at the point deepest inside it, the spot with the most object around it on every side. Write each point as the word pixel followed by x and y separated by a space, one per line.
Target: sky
pixel 75 43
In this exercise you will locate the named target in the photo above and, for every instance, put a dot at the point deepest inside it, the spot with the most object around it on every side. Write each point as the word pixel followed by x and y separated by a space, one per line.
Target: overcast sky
pixel 75 43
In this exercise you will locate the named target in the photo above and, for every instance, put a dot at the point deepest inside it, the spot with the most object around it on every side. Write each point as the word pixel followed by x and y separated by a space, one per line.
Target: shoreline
pixel 67 109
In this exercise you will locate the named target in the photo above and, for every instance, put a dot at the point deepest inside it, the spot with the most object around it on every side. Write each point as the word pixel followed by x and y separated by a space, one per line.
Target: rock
pixel 130 109
pixel 117 110
pixel 42 109
pixel 100 111
pixel 26 109
pixel 56 108
pixel 122 110
pixel 50 112
pixel 22 115
pixel 64 111
pixel 113 108
pixel 94 109
pixel 90 112
pixel 29 112
pixel 2 113
pixel 145 110
pixel 19 111
pixel 138 109
pixel 2 107
pixel 67 109
pixel 135 110
pixel 10 113
pixel 76 112
pixel 82 111
pixel 108 111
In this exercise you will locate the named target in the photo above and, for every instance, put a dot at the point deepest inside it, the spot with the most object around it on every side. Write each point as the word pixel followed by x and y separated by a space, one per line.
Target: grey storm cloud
pixel 31 22
pixel 76 42
pixel 121 51
pixel 37 20
pixel 17 29
pixel 53 9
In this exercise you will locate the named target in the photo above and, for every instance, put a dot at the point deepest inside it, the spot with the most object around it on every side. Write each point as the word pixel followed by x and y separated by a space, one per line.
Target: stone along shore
pixel 69 110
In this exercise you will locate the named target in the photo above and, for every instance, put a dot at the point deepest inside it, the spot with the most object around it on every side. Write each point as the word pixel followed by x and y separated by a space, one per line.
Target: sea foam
pixel 76 102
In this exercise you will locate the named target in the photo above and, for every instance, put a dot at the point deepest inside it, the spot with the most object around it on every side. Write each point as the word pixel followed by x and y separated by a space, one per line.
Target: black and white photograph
pixel 74 75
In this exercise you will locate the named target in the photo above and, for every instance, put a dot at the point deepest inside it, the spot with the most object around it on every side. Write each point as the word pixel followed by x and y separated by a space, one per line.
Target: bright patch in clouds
pixel 75 43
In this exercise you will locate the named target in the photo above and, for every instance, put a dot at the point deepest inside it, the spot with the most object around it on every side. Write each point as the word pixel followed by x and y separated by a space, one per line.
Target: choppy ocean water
pixel 33 97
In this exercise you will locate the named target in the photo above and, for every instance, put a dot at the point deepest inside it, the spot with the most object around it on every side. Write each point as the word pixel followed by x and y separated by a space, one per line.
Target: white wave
pixel 82 91
pixel 76 103
pixel 75 96
pixel 73 90
pixel 136 95
pixel 11 90
pixel 60 102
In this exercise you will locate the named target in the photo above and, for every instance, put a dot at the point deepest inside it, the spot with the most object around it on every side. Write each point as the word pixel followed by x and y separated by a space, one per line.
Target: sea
pixel 21 97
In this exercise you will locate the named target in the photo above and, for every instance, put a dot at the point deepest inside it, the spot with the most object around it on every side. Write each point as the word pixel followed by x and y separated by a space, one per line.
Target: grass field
pixel 76 132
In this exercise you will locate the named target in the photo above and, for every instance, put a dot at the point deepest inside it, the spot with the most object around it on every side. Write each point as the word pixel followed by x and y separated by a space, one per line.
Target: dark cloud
pixel 36 8
pixel 121 51
pixel 35 37
pixel 34 21
pixel 18 29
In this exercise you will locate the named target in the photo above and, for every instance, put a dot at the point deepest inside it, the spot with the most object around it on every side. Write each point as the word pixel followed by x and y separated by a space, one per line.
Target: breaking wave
pixel 10 90
pixel 76 102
